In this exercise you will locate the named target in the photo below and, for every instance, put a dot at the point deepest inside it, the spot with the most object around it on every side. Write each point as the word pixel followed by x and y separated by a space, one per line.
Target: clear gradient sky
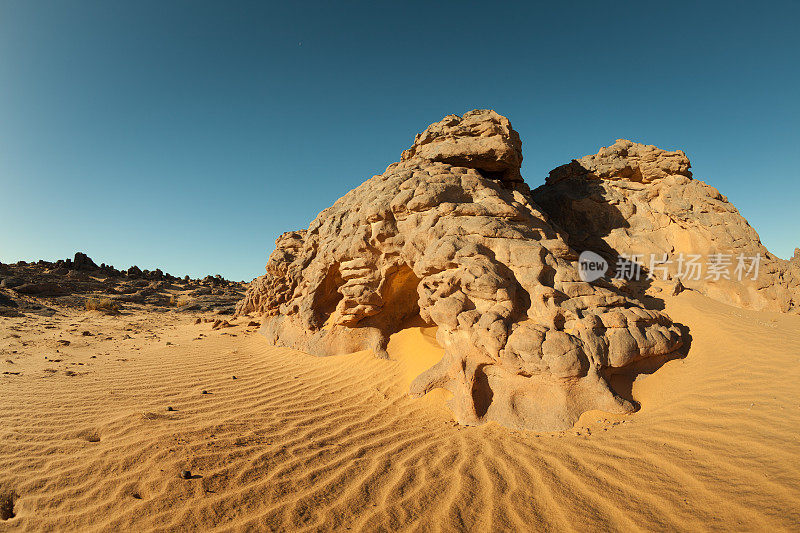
pixel 187 135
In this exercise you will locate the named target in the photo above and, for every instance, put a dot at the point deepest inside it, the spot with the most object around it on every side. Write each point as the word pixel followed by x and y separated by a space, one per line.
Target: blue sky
pixel 188 135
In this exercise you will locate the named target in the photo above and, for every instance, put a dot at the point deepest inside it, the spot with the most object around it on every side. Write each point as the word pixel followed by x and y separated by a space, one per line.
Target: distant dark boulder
pixel 202 291
pixel 83 262
pixel 6 301
pixel 10 283
pixel 44 288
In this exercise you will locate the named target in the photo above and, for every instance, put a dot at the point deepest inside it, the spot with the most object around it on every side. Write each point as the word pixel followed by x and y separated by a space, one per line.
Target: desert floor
pixel 299 442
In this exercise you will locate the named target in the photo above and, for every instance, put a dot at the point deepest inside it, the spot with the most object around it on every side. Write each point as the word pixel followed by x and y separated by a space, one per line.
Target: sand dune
pixel 308 443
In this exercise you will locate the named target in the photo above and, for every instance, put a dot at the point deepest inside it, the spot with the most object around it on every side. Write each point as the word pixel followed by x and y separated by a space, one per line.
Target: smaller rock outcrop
pixel 625 160
pixel 638 201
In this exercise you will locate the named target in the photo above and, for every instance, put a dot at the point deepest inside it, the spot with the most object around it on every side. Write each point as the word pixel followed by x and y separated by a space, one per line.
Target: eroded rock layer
pixel 636 200
pixel 450 235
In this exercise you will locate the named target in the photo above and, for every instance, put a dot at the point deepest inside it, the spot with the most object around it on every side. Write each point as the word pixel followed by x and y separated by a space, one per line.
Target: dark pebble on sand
pixel 186 474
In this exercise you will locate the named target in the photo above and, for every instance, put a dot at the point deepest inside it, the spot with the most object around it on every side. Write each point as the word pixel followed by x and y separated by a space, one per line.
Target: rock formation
pixel 638 200
pixel 450 235
pixel 38 287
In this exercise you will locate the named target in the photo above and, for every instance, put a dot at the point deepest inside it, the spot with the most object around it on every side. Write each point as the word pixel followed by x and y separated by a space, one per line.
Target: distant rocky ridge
pixel 449 236
pixel 38 287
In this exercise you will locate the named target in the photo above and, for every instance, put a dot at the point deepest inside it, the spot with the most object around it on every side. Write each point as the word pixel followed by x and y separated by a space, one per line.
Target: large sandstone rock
pixel 450 235
pixel 637 200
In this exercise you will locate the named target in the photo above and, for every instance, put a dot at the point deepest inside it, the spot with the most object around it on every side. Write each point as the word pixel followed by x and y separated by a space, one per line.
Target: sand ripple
pixel 303 443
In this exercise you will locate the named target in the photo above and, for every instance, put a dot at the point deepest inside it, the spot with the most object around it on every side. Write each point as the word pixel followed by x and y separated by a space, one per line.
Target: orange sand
pixel 300 442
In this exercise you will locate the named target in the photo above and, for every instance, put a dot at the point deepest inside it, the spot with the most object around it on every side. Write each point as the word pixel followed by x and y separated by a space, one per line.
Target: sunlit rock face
pixel 450 236
pixel 639 200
